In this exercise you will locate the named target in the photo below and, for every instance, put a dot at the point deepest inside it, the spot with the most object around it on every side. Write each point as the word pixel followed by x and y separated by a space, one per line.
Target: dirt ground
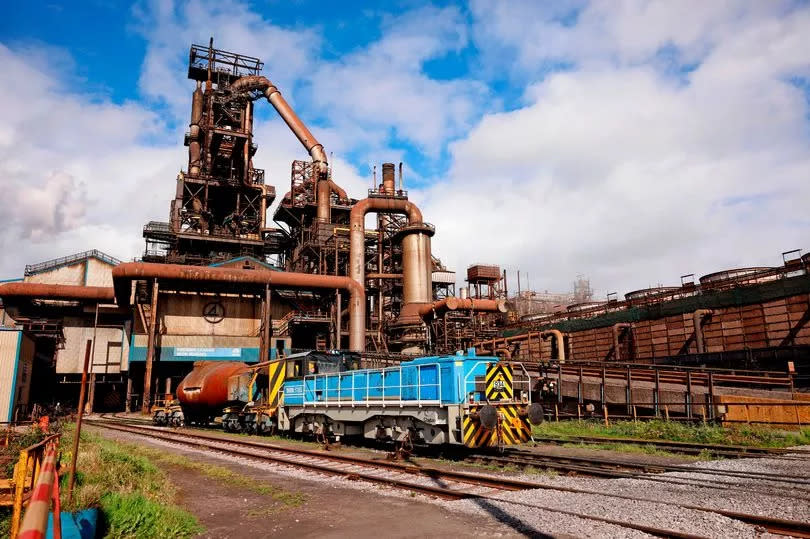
pixel 329 511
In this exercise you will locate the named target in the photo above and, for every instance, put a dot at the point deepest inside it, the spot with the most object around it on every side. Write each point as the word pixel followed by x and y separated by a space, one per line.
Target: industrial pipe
pixel 557 334
pixel 463 304
pixel 123 274
pixel 62 292
pixel 194 131
pixel 416 261
pixel 617 331
pixel 505 352
pixel 697 320
pixel 392 276
pixel 304 135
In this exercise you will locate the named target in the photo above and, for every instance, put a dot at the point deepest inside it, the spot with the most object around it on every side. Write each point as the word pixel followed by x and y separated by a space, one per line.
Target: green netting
pixel 735 297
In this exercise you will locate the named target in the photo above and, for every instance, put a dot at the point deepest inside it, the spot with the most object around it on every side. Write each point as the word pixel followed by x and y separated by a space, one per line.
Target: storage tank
pixel 203 393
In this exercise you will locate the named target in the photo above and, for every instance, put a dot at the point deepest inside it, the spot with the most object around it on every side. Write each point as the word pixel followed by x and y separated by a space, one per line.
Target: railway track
pixel 452 485
pixel 796 487
pixel 440 483
pixel 685 448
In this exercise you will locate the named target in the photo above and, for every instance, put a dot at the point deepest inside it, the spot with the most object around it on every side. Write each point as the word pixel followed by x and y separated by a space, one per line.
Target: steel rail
pixel 500 483
pixel 619 474
pixel 674 446
pixel 660 468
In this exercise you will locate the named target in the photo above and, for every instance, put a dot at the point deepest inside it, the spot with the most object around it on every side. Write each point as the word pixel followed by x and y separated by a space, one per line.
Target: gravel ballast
pixel 543 511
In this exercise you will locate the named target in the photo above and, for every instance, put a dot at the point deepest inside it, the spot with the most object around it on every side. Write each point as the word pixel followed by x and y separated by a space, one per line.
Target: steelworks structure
pixel 219 213
pixel 218 282
pixel 738 318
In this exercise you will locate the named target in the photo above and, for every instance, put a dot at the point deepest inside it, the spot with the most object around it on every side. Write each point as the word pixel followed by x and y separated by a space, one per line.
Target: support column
pixel 267 323
pixel 91 392
pixel 168 389
pixel 338 321
pixel 150 349
pixel 128 403
pixel 264 346
pixel 91 398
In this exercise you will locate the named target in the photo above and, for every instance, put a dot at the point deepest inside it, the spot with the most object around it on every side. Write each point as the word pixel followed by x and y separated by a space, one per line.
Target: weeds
pixel 134 496
pixel 224 475
pixel 747 435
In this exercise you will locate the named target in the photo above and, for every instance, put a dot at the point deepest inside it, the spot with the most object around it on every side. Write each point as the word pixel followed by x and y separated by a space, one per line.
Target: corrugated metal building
pixel 16 358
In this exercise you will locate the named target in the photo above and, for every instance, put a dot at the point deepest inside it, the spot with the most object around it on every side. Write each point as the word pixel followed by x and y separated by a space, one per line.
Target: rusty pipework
pixel 697 320
pixel 59 292
pixel 194 131
pixel 392 276
pixel 124 274
pixel 618 329
pixel 413 313
pixel 557 334
pixel 466 304
pixel 324 186
pixel 416 260
pixel 505 352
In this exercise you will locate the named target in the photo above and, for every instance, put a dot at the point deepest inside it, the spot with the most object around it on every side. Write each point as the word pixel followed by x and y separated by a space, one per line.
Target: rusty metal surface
pixel 11 291
pixel 124 274
pixel 205 389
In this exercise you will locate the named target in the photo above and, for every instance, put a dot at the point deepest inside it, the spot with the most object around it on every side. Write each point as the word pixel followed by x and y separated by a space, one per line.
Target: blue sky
pixel 614 140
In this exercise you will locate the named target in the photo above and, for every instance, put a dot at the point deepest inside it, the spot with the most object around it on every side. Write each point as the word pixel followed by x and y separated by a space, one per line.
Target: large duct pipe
pixel 437 308
pixel 124 274
pixel 58 292
pixel 557 334
pixel 194 131
pixel 416 267
pixel 697 320
pixel 304 135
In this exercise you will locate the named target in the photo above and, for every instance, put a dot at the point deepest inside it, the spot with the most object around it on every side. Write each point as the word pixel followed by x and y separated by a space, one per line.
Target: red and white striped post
pixel 35 521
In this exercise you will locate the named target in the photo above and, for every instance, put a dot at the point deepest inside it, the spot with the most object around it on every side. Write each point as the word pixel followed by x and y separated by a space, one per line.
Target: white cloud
pixel 75 172
pixel 672 142
pixel 623 171
pixel 384 88
pixel 367 98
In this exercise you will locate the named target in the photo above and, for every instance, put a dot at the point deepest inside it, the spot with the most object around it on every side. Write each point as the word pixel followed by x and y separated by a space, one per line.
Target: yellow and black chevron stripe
pixel 499 382
pixel 275 377
pixel 513 428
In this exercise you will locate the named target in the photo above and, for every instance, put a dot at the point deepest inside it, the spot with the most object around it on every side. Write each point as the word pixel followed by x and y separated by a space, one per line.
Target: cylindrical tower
pixel 417 268
pixel 389 179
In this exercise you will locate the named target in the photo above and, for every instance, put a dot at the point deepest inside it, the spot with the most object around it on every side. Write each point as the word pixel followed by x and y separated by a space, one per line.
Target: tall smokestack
pixel 389 181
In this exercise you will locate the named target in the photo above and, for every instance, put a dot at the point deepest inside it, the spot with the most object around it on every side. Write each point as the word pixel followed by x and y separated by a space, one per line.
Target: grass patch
pixel 640 449
pixel 746 435
pixel 134 496
pixel 224 475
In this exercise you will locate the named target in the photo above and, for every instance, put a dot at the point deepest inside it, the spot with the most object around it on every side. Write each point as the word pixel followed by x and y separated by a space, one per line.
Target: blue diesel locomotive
pixel 461 399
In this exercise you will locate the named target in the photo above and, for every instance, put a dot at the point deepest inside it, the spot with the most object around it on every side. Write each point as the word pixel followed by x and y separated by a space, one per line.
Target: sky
pixel 629 141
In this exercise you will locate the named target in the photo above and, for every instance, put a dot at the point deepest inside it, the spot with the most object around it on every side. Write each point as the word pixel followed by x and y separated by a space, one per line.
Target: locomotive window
pixel 327 365
pixel 295 368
